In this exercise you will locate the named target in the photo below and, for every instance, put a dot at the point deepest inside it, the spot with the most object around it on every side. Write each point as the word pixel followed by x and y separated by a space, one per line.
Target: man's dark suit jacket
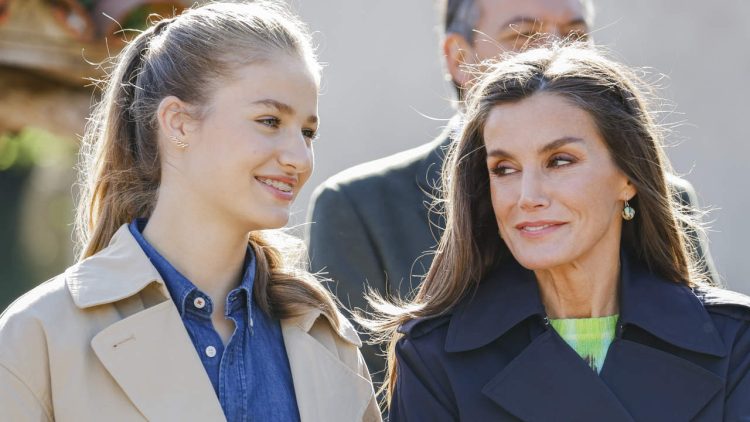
pixel 370 225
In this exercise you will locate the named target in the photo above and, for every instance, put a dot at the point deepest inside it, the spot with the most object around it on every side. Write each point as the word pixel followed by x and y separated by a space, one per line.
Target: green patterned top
pixel 589 337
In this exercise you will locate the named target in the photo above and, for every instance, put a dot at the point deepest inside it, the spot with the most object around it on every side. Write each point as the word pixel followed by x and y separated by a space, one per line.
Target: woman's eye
pixel 503 170
pixel 269 121
pixel 560 161
pixel 310 134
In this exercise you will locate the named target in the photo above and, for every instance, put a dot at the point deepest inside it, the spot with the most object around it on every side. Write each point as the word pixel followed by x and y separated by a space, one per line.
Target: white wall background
pixel 384 91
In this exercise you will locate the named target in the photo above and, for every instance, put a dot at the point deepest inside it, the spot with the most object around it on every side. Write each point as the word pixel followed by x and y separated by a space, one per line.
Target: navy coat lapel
pixel 666 309
pixel 549 380
pixel 657 386
pixel 505 298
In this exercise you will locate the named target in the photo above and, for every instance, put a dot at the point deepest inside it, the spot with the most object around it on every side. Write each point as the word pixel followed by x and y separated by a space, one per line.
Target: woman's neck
pixel 208 251
pixel 583 289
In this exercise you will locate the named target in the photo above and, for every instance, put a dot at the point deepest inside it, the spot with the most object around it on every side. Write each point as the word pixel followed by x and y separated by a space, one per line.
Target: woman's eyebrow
pixel 278 105
pixel 283 108
pixel 557 143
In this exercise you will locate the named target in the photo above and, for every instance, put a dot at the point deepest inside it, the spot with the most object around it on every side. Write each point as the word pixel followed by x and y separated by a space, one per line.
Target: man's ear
pixel 458 53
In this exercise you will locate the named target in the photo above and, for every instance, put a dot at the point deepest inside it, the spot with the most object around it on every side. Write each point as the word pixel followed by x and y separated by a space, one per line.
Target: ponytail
pixel 120 169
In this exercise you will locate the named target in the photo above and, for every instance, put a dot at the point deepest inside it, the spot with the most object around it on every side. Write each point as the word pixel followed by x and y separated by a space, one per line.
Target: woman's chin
pixel 540 262
pixel 269 221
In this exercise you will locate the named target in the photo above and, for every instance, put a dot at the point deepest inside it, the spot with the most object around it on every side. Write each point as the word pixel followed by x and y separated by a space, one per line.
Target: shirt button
pixel 199 302
pixel 210 351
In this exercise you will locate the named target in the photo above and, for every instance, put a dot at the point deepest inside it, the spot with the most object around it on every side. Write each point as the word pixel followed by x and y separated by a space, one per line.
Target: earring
pixel 628 213
pixel 179 142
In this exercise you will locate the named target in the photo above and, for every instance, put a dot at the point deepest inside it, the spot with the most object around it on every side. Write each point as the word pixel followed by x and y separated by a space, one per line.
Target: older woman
pixel 563 287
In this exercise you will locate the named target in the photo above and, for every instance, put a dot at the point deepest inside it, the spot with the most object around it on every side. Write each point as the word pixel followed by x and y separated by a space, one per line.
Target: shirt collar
pixel 247 282
pixel 182 290
pixel 510 295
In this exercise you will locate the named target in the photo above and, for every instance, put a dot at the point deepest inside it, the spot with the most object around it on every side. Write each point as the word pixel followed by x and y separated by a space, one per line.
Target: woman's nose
pixel 296 153
pixel 533 194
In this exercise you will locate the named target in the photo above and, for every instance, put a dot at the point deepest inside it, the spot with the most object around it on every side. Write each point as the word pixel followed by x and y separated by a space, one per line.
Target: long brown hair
pixel 470 246
pixel 185 56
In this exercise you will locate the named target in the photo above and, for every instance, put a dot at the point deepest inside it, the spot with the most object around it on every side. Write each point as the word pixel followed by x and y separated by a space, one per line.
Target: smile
pixel 277 184
pixel 539 228
pixel 536 228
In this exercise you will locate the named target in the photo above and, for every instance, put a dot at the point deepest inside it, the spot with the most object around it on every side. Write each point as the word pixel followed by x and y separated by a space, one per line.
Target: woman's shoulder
pixel 423 340
pixel 316 323
pixel 728 303
pixel 26 330
pixel 432 326
pixel 39 305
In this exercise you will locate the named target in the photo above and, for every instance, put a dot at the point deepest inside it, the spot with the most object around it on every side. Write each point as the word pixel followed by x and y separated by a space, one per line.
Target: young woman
pixel 563 287
pixel 182 307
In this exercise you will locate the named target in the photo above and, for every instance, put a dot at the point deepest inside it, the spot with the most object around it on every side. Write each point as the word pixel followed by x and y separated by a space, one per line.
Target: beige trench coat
pixel 104 342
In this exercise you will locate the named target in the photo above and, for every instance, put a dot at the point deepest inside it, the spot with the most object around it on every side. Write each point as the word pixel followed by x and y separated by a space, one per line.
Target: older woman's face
pixel 556 193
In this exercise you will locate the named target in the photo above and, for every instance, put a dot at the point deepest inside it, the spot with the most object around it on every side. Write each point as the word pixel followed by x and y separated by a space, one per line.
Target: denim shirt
pixel 251 375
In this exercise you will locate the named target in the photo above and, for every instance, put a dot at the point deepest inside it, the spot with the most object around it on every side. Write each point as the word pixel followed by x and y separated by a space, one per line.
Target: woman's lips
pixel 281 188
pixel 537 229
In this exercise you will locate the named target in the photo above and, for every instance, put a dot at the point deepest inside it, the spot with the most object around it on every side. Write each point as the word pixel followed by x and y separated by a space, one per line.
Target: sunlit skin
pixel 256 129
pixel 512 25
pixel 558 198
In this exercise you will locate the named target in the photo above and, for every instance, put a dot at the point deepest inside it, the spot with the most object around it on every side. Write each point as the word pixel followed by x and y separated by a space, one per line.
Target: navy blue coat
pixel 678 355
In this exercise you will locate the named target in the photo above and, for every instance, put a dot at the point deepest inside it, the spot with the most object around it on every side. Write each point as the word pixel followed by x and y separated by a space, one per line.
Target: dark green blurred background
pixel 36 175
pixel 50 51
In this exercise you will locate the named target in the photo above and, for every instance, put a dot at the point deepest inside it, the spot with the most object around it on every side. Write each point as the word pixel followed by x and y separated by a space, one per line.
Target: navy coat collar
pixel 510 295
pixel 637 382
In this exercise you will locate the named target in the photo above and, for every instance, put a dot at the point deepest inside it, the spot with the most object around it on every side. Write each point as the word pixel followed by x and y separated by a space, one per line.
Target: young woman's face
pixel 556 193
pixel 251 153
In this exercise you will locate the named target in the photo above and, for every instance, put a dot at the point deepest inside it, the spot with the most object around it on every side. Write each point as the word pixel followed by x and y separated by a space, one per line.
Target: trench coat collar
pixel 150 355
pixel 127 271
pixel 510 295
pixel 327 389
pixel 117 272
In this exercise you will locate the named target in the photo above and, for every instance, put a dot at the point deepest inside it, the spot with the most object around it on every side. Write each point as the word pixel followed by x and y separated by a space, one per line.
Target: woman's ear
pixel 629 192
pixel 458 53
pixel 175 119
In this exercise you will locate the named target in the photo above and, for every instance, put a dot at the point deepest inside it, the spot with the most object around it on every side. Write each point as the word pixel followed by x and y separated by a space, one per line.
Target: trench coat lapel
pixel 150 355
pixel 326 388
pixel 637 382
pixel 547 380
pixel 148 352
pixel 657 386
pixel 653 384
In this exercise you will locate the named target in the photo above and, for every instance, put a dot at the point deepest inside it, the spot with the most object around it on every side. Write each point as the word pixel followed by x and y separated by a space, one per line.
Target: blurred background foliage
pixel 50 51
